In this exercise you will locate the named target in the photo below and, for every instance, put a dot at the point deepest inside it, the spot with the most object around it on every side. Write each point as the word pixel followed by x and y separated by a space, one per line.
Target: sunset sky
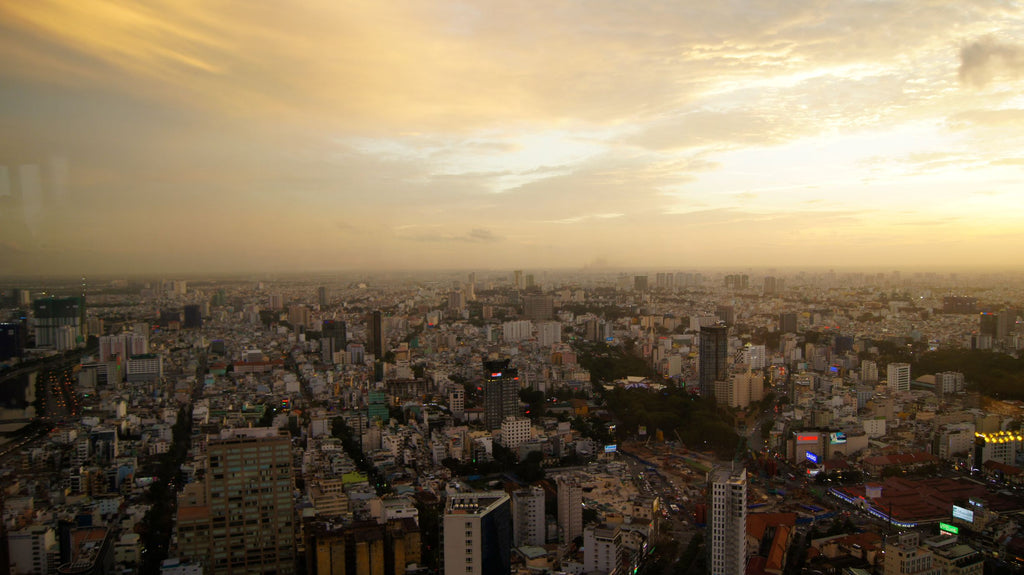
pixel 202 136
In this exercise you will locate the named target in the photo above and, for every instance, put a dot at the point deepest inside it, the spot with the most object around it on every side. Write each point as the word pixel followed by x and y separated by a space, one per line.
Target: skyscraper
pixel 239 519
pixel 337 332
pixel 375 335
pixel 898 376
pixel 59 322
pixel 321 296
pixel 478 534
pixel 193 317
pixel 570 507
pixel 501 392
pixel 727 520
pixel 714 357
pixel 787 322
pixel 528 516
pixel 538 307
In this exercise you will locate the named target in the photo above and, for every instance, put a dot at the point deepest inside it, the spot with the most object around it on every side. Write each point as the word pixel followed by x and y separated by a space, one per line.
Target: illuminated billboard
pixel 806 437
pixel 837 438
pixel 963 514
pixel 952 529
pixel 812 457
pixel 610 448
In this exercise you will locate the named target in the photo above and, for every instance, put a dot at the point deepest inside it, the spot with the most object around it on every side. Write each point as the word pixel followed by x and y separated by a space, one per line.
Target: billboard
pixel 963 514
pixel 610 448
pixel 951 529
pixel 837 438
pixel 812 457
pixel 806 437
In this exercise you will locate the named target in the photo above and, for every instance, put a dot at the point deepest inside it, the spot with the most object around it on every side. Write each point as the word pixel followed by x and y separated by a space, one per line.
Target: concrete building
pixel 714 356
pixel 727 521
pixel 570 507
pixel 528 517
pixel 514 432
pixel 501 392
pixel 478 534
pixel 602 549
pixel 240 518
pixel 898 377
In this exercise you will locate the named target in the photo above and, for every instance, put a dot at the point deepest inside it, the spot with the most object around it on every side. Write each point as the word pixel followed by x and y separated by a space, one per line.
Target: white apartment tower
pixel 570 507
pixel 898 376
pixel 727 521
pixel 514 432
pixel 528 516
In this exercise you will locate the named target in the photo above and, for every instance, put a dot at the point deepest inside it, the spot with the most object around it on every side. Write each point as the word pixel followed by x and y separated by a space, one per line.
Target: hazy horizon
pixel 199 139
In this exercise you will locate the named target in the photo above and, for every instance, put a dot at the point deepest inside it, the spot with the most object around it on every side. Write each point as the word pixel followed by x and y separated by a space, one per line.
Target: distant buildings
pixel 538 307
pixel 59 322
pixel 528 516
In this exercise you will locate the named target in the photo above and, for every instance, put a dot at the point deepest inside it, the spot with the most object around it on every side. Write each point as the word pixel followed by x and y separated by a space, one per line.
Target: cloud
pixel 473 236
pixel 987 58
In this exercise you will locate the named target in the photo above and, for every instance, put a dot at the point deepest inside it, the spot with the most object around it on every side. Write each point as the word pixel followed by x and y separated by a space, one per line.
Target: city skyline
pixel 193 138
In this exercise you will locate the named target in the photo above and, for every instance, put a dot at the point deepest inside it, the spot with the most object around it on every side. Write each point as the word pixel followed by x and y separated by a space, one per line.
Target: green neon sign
pixel 949 528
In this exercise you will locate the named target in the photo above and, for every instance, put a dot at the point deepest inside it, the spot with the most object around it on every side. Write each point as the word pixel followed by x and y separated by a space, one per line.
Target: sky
pixel 227 136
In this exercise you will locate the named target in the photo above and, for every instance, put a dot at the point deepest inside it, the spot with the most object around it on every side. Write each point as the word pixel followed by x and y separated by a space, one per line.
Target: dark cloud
pixel 984 59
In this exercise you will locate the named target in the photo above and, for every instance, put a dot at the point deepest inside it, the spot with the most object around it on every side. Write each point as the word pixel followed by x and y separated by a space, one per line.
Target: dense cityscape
pixel 528 422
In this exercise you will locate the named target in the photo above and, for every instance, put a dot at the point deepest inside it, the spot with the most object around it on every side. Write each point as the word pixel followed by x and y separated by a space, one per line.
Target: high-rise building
pixel 336 332
pixel 528 516
pixel 375 335
pixel 727 520
pixel 299 316
pixel 240 518
pixel 868 371
pixel 988 324
pixel 456 301
pixel 538 307
pixel 570 507
pixel 13 336
pixel 959 304
pixel 457 402
pixel 714 357
pixel 501 392
pixel 321 296
pixel 478 534
pixel 726 314
pixel 193 317
pixel 771 285
pixel 949 382
pixel 549 333
pixel 898 376
pixel 517 279
pixel 602 549
pixel 787 322
pixel 59 322
pixel 640 283
pixel 514 432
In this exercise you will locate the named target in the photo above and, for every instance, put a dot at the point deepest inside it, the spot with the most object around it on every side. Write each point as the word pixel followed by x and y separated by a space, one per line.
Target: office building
pixel 514 432
pixel 549 333
pixel 538 307
pixel 240 518
pixel 570 507
pixel 787 322
pixel 13 337
pixel 640 283
pixel 478 534
pixel 602 549
pixel 321 296
pixel 517 279
pixel 501 392
pixel 528 516
pixel 898 377
pixel 59 322
pixel 727 520
pixel 145 367
pixel 456 301
pixel 726 314
pixel 771 285
pixel 713 361
pixel 959 304
pixel 375 335
pixel 193 317
pixel 457 402
pixel 335 332
pixel 299 316
pixel 949 382
pixel 868 371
